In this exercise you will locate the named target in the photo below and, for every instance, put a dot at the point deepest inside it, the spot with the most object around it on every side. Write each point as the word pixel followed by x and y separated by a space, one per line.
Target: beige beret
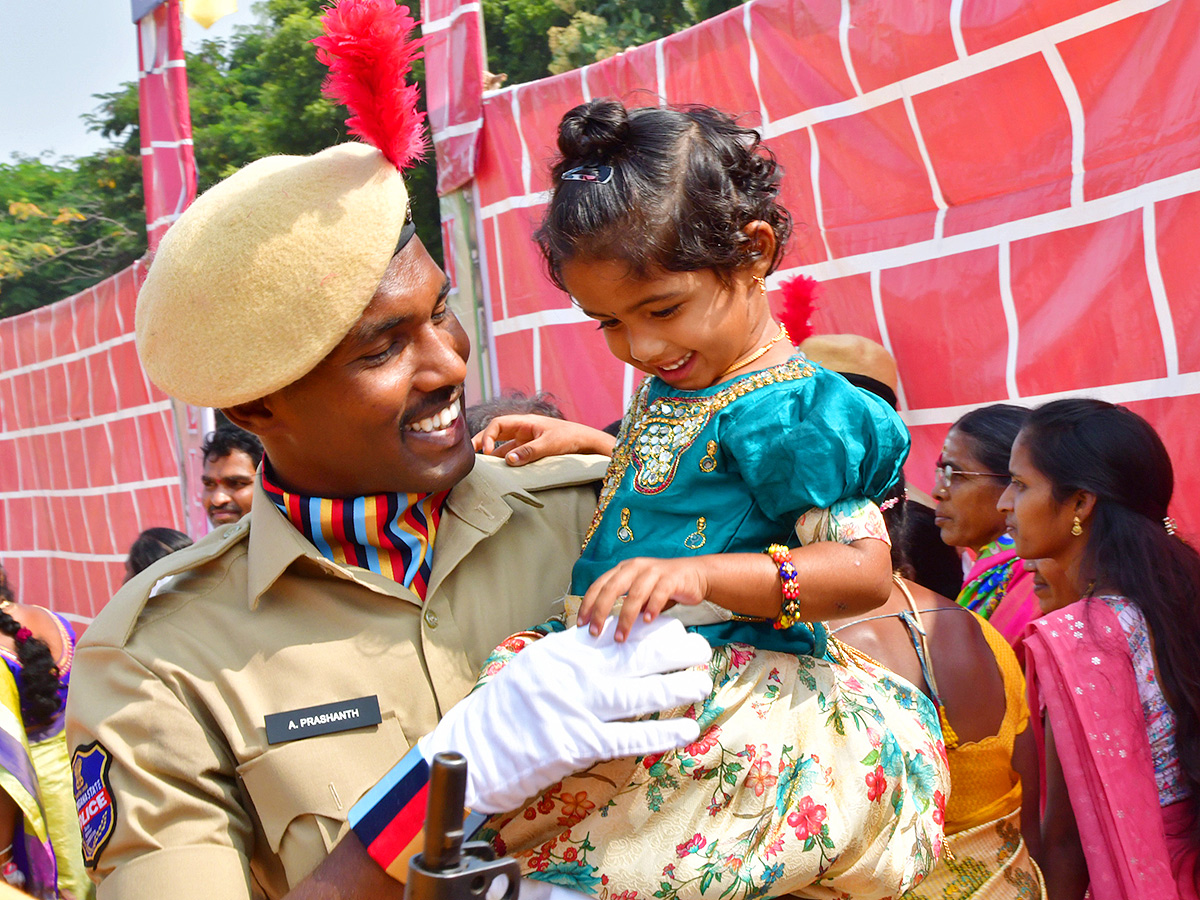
pixel 266 272
pixel 853 354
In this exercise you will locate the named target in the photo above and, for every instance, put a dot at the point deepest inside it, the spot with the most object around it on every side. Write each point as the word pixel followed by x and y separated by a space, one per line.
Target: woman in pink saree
pixel 1114 678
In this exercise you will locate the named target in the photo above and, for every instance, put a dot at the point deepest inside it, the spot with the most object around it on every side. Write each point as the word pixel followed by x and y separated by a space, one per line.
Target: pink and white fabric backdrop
pixel 89 449
pixel 1005 194
pixel 168 157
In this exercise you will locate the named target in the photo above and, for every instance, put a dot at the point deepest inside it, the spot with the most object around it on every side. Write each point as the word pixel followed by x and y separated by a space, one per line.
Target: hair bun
pixel 593 132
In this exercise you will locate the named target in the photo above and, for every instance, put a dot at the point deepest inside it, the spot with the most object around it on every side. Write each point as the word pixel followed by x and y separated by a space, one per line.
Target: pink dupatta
pixel 1079 672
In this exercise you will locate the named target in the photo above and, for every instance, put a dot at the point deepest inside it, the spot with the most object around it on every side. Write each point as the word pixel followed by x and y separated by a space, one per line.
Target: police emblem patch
pixel 93 798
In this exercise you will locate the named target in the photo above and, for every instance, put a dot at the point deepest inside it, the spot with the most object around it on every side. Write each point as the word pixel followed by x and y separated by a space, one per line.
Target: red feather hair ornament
pixel 799 303
pixel 369 49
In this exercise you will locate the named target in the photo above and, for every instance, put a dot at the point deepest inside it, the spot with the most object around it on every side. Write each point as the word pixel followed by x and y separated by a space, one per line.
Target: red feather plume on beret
pixel 369 49
pixel 799 303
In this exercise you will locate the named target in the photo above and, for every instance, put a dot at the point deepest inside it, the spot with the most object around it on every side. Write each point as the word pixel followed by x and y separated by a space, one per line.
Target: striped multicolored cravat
pixel 390 534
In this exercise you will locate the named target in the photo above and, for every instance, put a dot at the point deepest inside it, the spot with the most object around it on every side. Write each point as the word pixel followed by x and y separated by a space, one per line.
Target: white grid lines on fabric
pixel 960 46
pixel 93 491
pixel 934 187
pixel 65 554
pixel 844 44
pixel 562 316
pixel 537 359
pixel 500 279
pixel 130 413
pixel 1158 290
pixel 1009 305
pixel 885 337
pixel 526 163
pixel 459 130
pixel 748 27
pixel 159 70
pixel 445 22
pixel 660 72
pixel 976 63
pixel 492 381
pixel 814 176
pixel 1127 392
pixel 1070 96
pixel 148 149
pixel 1087 213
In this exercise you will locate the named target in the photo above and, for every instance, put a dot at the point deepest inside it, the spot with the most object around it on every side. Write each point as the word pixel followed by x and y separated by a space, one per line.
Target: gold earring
pixel 1076 527
pixel 762 284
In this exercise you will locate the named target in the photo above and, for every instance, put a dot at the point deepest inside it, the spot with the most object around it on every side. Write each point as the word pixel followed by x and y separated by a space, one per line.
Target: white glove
pixel 557 707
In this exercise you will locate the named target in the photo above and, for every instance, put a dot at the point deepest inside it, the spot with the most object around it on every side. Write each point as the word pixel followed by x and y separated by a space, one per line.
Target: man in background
pixel 231 457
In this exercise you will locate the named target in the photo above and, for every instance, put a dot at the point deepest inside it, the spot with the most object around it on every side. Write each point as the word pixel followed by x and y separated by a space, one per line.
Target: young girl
pixel 813 774
pixel 1113 677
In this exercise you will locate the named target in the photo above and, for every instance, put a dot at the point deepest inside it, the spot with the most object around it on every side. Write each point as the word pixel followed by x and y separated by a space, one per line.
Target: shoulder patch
pixel 116 621
pixel 94 799
pixel 554 472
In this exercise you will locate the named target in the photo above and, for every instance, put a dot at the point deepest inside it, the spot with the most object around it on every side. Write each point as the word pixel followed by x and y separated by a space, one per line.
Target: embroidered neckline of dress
pixel 677 417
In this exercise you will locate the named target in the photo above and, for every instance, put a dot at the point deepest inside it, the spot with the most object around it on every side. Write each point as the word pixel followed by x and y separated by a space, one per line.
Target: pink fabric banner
pixel 1003 194
pixel 168 158
pixel 87 448
pixel 454 63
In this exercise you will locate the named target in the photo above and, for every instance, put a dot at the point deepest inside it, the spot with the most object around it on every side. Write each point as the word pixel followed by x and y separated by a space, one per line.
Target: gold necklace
pixel 742 363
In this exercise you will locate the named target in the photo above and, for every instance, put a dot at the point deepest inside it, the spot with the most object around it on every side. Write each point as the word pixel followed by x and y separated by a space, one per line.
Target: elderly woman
pixel 1114 678
pixel 971 474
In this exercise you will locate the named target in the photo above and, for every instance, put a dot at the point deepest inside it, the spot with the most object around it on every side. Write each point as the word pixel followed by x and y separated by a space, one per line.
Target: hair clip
pixel 1169 525
pixel 888 504
pixel 594 174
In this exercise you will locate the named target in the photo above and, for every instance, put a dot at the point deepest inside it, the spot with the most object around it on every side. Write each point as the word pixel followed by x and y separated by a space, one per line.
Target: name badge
pixel 324 719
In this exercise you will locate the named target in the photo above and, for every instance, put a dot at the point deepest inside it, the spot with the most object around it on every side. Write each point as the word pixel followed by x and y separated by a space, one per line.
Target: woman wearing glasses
pixel 971 474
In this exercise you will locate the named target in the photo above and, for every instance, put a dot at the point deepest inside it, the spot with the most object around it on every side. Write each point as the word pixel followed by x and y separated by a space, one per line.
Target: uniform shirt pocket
pixel 302 790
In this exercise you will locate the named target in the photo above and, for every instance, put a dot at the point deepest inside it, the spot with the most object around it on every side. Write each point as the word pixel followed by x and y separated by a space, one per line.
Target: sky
pixel 57 54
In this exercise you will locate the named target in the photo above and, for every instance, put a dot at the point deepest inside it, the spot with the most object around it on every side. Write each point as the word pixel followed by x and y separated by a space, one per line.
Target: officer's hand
pixel 561 705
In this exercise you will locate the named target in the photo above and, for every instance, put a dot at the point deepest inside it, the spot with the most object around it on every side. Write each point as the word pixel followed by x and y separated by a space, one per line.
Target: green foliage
pixel 58 232
pixel 516 34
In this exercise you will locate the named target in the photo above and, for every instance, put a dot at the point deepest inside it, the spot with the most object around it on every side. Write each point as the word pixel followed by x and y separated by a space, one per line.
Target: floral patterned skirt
pixel 825 778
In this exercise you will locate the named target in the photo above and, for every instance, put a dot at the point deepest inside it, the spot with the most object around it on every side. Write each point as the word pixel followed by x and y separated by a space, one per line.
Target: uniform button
pixel 431 618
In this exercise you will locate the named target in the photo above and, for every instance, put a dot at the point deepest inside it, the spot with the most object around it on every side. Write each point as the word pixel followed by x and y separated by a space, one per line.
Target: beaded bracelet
pixel 789 612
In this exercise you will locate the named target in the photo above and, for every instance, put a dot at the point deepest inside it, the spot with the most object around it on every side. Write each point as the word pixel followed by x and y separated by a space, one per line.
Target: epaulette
pixel 116 621
pixel 547 474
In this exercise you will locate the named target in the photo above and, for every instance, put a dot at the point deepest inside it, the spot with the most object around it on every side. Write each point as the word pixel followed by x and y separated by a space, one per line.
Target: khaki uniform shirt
pixel 175 683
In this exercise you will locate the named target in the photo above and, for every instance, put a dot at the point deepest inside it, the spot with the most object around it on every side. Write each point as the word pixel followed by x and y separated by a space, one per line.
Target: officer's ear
pixel 254 416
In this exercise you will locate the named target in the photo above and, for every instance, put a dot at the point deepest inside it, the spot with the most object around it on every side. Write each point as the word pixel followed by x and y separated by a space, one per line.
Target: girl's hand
pixel 521 439
pixel 648 585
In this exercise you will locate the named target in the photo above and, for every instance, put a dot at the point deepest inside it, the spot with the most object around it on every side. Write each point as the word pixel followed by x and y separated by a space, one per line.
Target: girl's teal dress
pixel 731 468
pixel 816 773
